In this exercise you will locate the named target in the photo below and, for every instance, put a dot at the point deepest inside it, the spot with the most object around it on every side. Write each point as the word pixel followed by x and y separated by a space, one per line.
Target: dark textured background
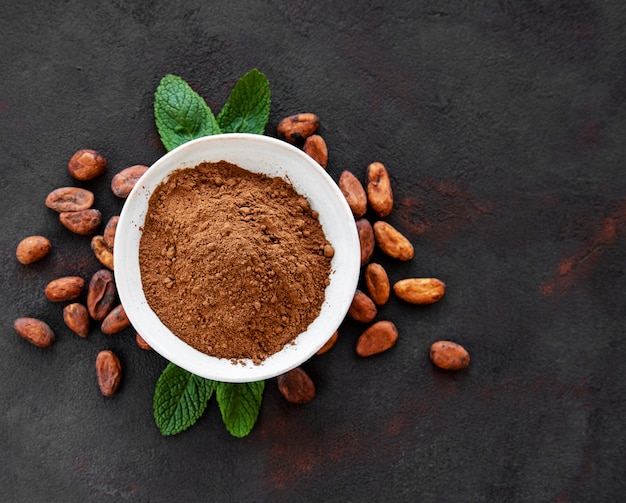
pixel 502 124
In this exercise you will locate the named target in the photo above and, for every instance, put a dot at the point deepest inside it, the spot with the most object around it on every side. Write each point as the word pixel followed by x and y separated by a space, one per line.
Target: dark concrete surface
pixel 502 124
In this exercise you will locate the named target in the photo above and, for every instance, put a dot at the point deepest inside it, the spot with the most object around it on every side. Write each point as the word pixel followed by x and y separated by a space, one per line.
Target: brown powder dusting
pixel 234 263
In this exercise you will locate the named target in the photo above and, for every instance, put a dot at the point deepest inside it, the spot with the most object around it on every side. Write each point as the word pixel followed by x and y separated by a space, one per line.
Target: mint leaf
pixel 180 113
pixel 180 398
pixel 248 107
pixel 239 405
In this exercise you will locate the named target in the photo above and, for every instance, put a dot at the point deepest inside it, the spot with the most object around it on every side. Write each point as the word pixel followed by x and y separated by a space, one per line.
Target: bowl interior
pixel 259 154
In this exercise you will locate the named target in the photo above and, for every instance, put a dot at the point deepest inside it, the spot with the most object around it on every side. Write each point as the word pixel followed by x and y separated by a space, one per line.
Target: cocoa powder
pixel 233 263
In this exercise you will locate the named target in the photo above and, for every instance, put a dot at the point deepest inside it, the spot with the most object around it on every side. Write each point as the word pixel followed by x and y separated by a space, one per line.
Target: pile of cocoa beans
pixel 377 197
pixel 74 206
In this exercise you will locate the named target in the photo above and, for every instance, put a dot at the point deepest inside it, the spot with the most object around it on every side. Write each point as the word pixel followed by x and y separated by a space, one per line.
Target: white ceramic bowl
pixel 259 154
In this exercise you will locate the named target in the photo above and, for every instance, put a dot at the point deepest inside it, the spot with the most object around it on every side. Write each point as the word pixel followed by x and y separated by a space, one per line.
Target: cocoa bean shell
pixel 101 294
pixel 449 355
pixel 124 181
pixel 297 128
pixel 86 164
pixel 392 242
pixel 115 321
pixel 296 386
pixel 379 193
pixel 362 308
pixel 353 191
pixel 419 290
pixel 316 148
pixel 377 283
pixel 377 338
pixel 32 248
pixel 109 372
pixel 63 289
pixel 109 231
pixel 367 239
pixel 34 331
pixel 102 252
pixel 83 222
pixel 76 318
pixel 69 199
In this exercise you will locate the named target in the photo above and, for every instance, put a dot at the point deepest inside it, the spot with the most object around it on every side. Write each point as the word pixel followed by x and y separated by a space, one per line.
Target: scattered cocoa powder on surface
pixel 233 263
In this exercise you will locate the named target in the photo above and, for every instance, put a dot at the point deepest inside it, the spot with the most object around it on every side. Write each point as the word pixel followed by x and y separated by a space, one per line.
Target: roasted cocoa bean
pixel 316 148
pixel 101 294
pixel 76 318
pixel 142 343
pixel 392 242
pixel 69 199
pixel 102 252
pixel 379 194
pixel 34 331
pixel 124 181
pixel 377 283
pixel 83 222
pixel 362 308
pixel 66 288
pixel 109 231
pixel 32 249
pixel 353 191
pixel 86 164
pixel 296 386
pixel 377 338
pixel 366 239
pixel 419 290
pixel 449 355
pixel 115 321
pixel 329 343
pixel 109 372
pixel 297 128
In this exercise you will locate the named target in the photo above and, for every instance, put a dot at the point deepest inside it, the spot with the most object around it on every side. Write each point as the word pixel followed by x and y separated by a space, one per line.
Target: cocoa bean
pixel 109 372
pixel 419 290
pixel 63 289
pixel 377 338
pixel 76 318
pixel 83 222
pixel 115 321
pixel 297 128
pixel 124 181
pixel 316 148
pixel 392 242
pixel 86 164
pixel 296 386
pixel 102 252
pixel 101 294
pixel 34 331
pixel 353 191
pixel 379 194
pixel 69 199
pixel 362 308
pixel 142 343
pixel 109 231
pixel 449 355
pixel 32 248
pixel 377 283
pixel 329 343
pixel 366 239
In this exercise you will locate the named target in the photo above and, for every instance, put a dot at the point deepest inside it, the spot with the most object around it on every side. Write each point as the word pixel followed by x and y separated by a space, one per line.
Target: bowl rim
pixel 141 315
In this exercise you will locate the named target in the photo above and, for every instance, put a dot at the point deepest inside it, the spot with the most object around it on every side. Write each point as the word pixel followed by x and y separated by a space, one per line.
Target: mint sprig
pixel 248 107
pixel 180 398
pixel 180 113
pixel 240 405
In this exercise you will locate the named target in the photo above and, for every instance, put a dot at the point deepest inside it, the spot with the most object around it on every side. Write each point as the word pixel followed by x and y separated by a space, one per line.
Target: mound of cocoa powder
pixel 233 263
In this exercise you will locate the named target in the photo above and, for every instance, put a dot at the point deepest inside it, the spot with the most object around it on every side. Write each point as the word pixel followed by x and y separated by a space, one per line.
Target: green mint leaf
pixel 180 398
pixel 240 405
pixel 180 113
pixel 248 107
